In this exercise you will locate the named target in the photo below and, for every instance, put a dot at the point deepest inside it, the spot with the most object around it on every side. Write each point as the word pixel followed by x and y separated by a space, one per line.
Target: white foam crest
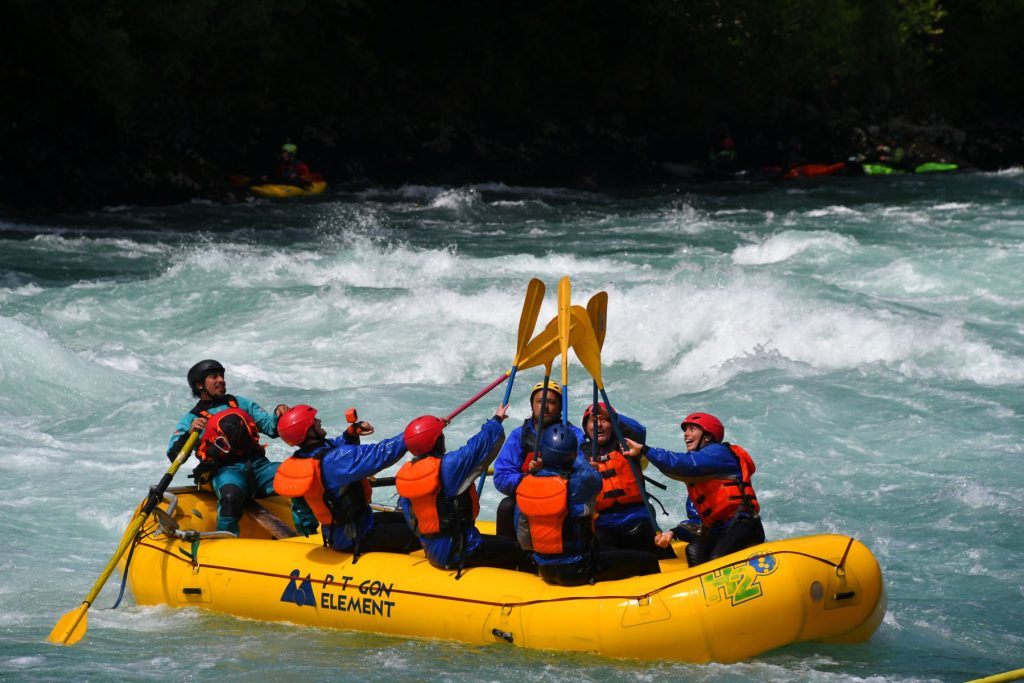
pixel 699 337
pixel 128 248
pixel 1012 171
pixel 22 291
pixel 789 243
pixel 459 199
pixel 838 210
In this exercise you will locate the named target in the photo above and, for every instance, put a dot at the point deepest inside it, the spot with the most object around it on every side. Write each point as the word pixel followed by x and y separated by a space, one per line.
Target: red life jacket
pixel 620 486
pixel 719 498
pixel 301 478
pixel 216 447
pixel 544 501
pixel 435 515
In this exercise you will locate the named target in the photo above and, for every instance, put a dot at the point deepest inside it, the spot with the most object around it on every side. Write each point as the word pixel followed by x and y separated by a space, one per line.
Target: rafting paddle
pixel 564 332
pixel 72 626
pixel 527 322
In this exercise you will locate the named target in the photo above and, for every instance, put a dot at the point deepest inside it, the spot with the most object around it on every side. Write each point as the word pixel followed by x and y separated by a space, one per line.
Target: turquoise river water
pixel 863 338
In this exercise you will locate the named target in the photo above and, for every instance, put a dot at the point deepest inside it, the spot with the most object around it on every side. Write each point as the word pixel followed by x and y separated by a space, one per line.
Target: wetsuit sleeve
pixel 266 422
pixel 344 464
pixel 180 436
pixel 466 463
pixel 508 466
pixel 712 459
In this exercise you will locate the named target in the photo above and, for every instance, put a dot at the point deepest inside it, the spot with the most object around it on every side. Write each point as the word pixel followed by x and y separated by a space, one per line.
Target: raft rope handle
pixel 840 568
pixel 643 597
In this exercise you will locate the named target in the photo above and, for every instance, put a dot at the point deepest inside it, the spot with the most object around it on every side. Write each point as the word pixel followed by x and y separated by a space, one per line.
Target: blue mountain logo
pixel 301 594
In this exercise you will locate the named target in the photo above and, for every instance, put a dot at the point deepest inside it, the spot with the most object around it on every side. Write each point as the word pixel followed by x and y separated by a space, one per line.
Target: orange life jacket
pixel 299 477
pixel 619 486
pixel 719 498
pixel 434 514
pixel 544 501
pixel 214 445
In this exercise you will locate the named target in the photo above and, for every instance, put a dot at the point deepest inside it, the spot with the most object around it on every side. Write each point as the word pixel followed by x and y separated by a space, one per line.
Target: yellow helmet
pixel 552 388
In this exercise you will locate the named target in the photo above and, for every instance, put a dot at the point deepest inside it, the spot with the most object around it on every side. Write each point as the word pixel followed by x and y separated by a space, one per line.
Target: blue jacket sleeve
pixel 632 429
pixel 344 463
pixel 464 464
pixel 266 422
pixel 714 458
pixel 508 466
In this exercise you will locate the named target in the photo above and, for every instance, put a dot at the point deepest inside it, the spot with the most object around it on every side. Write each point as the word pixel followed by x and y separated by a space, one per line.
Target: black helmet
pixel 559 447
pixel 198 372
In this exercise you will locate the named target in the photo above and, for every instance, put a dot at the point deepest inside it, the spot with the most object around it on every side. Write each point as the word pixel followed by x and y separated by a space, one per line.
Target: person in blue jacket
pixel 624 515
pixel 518 456
pixel 555 517
pixel 236 474
pixel 332 475
pixel 718 482
pixel 441 503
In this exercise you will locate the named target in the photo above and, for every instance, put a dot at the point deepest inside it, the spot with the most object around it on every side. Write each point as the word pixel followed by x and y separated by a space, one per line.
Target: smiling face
pixel 214 386
pixel 694 437
pixel 603 424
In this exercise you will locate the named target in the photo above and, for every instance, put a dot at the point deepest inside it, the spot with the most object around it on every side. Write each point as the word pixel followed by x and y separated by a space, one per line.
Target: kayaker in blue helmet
pixel 717 476
pixel 236 473
pixel 440 500
pixel 519 454
pixel 555 518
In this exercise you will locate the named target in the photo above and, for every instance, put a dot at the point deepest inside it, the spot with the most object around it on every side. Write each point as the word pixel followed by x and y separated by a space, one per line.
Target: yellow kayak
pixel 285 191
pixel 825 588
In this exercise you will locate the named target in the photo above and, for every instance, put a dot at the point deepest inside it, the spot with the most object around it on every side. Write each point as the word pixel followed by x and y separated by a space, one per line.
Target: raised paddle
pixel 72 626
pixel 597 315
pixel 527 321
pixel 564 332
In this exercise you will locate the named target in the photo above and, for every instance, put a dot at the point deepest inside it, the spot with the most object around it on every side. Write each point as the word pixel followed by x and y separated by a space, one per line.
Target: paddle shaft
pixel 71 627
pixel 156 494
pixel 483 392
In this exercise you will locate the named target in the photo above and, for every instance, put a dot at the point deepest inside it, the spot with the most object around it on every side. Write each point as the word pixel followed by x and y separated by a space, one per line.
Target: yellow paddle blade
pixel 542 349
pixel 528 318
pixel 584 343
pixel 564 324
pixel 597 310
pixel 71 627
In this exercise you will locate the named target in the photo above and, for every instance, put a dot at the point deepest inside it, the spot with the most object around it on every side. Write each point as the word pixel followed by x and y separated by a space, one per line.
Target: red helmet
pixel 422 434
pixel 294 424
pixel 590 411
pixel 709 423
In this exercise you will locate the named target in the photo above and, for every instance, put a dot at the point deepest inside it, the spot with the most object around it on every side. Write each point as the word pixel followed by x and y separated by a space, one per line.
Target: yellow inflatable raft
pixel 286 191
pixel 823 588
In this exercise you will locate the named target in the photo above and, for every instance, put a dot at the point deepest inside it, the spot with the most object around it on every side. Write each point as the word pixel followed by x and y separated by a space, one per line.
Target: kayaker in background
pixel 518 456
pixel 236 471
pixel 624 519
pixel 289 171
pixel 332 475
pixel 724 155
pixel 556 518
pixel 717 476
pixel 440 501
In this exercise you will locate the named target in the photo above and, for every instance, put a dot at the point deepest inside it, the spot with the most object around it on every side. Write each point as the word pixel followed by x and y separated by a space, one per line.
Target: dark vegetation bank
pixel 156 101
